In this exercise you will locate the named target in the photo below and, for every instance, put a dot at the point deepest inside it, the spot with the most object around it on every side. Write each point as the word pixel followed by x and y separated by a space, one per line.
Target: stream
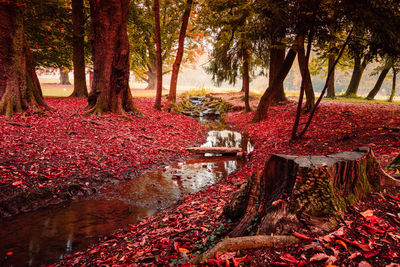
pixel 49 234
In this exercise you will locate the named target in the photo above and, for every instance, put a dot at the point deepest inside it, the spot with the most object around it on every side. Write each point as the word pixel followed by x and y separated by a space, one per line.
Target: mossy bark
pixel 19 86
pixel 305 191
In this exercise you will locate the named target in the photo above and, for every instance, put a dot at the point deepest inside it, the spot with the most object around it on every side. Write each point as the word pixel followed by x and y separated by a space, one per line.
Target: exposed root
pixel 388 180
pixel 95 110
pixel 246 242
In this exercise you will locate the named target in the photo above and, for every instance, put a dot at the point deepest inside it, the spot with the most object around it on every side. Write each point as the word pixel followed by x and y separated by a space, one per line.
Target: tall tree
pixel 110 46
pixel 232 48
pixel 269 94
pixel 277 57
pixel 303 59
pixel 395 69
pixel 141 29
pixel 158 53
pixel 78 22
pixel 393 91
pixel 179 53
pixel 48 29
pixel 64 76
pixel 360 63
pixel 331 82
pixel 246 76
pixel 270 27
pixel 385 70
pixel 19 86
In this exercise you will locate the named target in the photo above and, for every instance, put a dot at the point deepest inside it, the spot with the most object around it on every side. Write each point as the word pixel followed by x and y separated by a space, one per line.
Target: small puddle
pixel 47 235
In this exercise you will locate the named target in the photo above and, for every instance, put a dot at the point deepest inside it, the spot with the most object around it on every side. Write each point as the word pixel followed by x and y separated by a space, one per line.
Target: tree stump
pixel 294 192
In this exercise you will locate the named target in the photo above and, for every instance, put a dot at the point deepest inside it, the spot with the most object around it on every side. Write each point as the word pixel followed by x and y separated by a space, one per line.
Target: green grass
pixel 51 91
pixel 359 99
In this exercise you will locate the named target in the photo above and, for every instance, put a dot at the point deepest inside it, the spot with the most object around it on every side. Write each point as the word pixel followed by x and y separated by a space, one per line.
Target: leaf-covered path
pixel 370 233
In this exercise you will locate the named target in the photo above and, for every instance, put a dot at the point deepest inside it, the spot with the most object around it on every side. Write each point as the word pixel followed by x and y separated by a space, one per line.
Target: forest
pixel 97 171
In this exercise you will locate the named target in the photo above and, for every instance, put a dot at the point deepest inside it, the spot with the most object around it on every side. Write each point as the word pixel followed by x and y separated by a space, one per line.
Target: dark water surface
pixel 49 234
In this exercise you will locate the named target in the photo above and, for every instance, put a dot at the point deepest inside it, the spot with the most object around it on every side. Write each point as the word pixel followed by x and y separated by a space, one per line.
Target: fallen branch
pixel 246 242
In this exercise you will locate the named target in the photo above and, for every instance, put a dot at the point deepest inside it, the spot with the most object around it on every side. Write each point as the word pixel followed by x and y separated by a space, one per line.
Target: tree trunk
pixel 305 75
pixel 331 81
pixel 277 58
pixel 78 59
pixel 269 94
pixel 179 53
pixel 293 192
pixel 110 46
pixel 300 47
pixel 151 80
pixel 246 77
pixel 19 86
pixel 379 82
pixel 393 84
pixel 330 71
pixel 158 54
pixel 358 70
pixel 64 76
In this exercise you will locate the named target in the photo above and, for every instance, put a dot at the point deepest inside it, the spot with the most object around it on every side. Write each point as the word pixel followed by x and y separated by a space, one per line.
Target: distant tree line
pixel 245 38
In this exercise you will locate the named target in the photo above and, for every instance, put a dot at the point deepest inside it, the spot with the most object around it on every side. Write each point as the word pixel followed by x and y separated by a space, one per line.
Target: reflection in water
pixel 44 236
pixel 47 235
pixel 228 138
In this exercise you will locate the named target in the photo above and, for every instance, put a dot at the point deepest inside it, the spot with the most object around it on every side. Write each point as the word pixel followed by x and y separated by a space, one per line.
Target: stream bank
pixel 64 155
pixel 50 234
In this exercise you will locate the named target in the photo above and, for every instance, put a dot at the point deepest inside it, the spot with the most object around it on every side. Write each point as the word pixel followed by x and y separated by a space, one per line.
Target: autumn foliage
pixel 195 223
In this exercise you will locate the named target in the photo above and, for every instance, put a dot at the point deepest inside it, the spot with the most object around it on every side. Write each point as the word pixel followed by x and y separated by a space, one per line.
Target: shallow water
pixel 49 234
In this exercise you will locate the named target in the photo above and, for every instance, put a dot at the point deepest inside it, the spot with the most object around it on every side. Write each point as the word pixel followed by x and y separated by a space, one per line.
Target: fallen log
pixel 294 192
pixel 245 242
pixel 214 150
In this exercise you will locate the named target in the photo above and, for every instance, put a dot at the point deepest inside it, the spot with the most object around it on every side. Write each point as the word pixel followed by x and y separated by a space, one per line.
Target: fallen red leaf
pixel 289 258
pixel 373 230
pixel 237 261
pixel 319 257
pixel 394 197
pixel 370 254
pixel 301 236
pixel 16 183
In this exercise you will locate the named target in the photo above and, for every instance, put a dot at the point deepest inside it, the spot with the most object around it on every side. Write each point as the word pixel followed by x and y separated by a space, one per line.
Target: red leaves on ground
pixel 111 143
pixel 64 147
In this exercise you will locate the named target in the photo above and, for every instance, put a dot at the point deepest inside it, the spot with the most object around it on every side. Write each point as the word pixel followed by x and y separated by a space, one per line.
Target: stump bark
pixel 294 192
